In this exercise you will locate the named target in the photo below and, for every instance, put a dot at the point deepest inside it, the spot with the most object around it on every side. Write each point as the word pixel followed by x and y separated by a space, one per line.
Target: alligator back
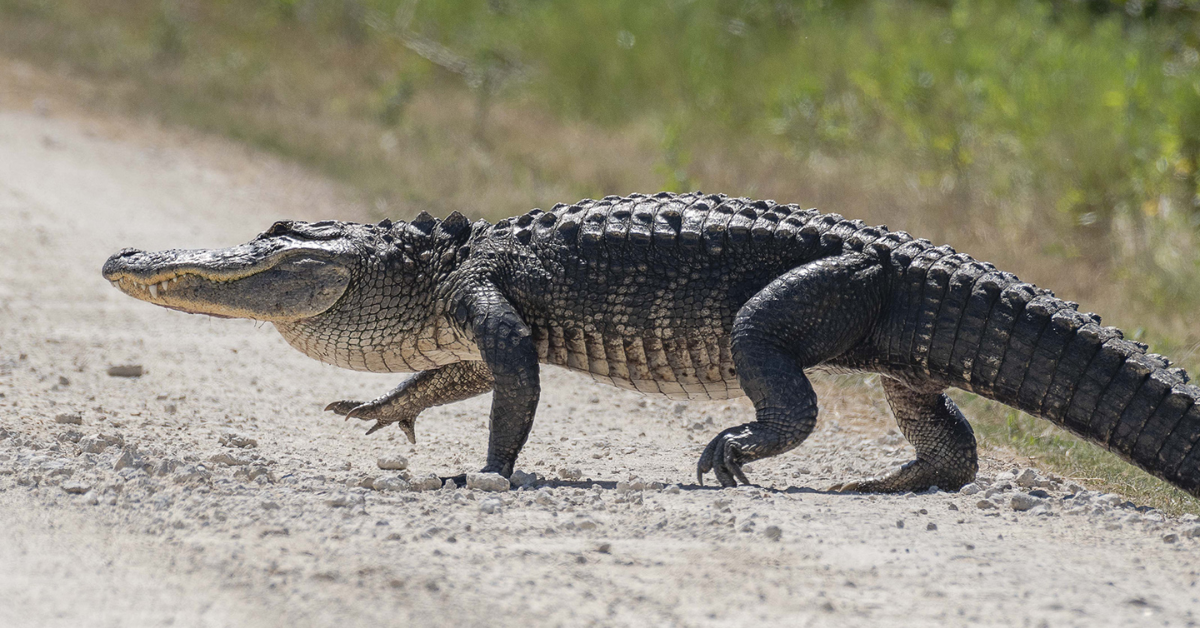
pixel 641 291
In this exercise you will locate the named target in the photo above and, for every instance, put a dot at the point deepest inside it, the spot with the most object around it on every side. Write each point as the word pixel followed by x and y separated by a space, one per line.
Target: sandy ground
pixel 123 504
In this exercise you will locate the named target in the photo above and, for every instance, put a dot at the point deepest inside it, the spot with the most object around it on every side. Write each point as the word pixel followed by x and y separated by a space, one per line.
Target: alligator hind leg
pixel 945 444
pixel 808 315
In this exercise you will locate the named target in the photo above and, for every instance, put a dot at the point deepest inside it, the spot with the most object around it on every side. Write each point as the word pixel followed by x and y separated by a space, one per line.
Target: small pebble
pixel 570 474
pixel 345 500
pixel 392 462
pixel 773 533
pixel 1028 478
pixel 237 441
pixel 931 526
pixel 491 505
pixel 1022 502
pixel 490 482
pixel 521 478
pixel 126 370
pixel 129 458
pixel 391 483
pixel 167 466
pixel 899 523
pixel 69 418
pixel 985 504
pixel 426 483
pixel 230 459
pixel 970 489
pixel 1170 538
pixel 76 487
pixel 97 443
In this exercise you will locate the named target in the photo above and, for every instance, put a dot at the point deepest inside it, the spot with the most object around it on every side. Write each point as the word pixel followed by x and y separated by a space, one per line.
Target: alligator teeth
pixel 163 286
pixel 154 290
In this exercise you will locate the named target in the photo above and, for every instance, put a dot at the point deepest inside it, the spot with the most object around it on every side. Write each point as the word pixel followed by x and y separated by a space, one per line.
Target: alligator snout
pixel 121 261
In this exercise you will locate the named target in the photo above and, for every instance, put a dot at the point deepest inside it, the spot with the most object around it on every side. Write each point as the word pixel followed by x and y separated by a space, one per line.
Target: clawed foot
pixel 915 476
pixel 725 456
pixel 371 411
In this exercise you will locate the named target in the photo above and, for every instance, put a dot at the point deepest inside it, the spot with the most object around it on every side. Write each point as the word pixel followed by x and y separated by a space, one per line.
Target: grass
pixel 1055 139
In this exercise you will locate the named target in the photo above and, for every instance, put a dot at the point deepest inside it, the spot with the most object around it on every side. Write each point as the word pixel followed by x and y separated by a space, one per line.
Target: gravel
pixel 301 538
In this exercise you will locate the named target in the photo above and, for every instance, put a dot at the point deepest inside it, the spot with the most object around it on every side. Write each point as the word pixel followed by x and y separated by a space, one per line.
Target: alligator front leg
pixel 506 344
pixel 450 383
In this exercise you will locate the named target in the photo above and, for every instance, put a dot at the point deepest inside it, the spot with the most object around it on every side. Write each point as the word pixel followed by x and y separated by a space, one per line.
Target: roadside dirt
pixel 124 504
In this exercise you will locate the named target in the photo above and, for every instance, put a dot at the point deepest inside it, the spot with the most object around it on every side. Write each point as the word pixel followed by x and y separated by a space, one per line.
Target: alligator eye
pixel 282 227
pixel 324 230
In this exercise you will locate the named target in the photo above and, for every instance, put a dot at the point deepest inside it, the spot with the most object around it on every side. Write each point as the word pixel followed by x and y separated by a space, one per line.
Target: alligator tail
pixel 985 331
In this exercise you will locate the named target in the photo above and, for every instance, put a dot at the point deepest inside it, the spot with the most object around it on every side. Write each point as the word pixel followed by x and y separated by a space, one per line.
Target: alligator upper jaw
pixel 277 284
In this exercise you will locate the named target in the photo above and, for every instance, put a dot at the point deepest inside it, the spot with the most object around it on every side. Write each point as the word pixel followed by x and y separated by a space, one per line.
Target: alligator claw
pixel 343 408
pixel 368 411
pixel 724 456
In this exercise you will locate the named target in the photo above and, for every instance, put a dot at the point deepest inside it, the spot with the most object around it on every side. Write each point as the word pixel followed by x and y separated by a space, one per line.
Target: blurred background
pixel 1059 139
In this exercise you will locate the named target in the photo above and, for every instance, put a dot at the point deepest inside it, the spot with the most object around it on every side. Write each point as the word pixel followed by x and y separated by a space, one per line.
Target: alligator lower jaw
pixel 178 292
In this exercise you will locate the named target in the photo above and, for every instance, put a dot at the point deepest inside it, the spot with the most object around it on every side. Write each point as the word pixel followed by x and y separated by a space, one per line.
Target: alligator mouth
pixel 156 290
pixel 283 285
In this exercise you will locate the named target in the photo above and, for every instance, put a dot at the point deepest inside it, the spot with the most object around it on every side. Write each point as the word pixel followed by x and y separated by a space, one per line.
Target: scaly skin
pixel 688 296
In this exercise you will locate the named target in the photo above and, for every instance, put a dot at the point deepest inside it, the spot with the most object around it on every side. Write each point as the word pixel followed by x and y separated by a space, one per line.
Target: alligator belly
pixel 680 367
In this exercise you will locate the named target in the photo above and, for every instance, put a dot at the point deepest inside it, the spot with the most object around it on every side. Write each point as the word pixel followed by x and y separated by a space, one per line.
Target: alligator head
pixel 292 271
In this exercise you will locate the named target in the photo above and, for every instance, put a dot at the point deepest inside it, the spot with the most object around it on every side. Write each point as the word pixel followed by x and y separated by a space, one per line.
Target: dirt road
pixel 124 502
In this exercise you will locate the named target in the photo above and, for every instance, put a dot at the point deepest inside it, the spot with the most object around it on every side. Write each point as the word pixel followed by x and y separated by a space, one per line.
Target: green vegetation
pixel 1059 139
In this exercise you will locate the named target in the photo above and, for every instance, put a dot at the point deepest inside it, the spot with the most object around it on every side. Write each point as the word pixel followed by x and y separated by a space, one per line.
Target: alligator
pixel 688 296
